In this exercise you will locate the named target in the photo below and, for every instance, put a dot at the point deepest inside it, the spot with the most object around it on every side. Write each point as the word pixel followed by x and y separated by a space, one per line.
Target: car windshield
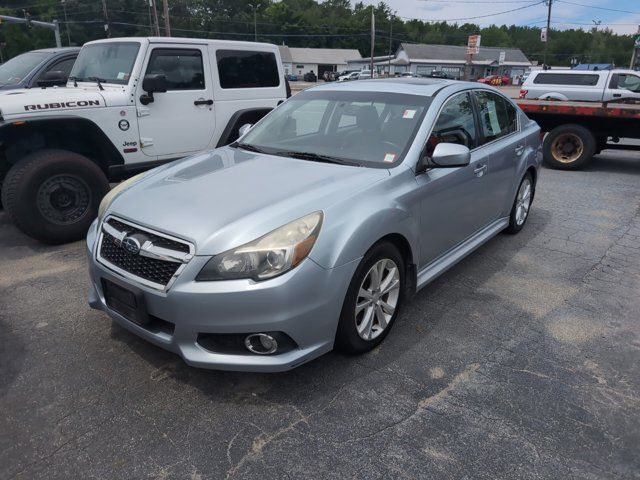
pixel 15 70
pixel 373 129
pixel 109 62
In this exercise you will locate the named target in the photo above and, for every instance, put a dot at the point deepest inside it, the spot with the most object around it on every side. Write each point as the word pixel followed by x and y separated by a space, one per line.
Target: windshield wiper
pixel 247 146
pixel 75 80
pixel 316 157
pixel 98 81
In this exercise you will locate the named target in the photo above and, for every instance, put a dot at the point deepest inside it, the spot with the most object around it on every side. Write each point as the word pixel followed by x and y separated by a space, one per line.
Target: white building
pixel 298 61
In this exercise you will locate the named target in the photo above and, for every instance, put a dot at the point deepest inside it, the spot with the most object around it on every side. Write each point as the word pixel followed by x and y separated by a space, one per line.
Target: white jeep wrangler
pixel 130 104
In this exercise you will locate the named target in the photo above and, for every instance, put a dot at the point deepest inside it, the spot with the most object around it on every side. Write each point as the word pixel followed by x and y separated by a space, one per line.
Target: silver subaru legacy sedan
pixel 308 232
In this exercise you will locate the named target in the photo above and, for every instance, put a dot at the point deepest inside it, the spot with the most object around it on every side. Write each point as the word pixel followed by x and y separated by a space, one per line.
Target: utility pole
pixel 167 26
pixel 390 41
pixel 596 24
pixel 156 25
pixel 546 37
pixel 373 37
pixel 255 7
pixel 66 23
pixel 634 54
pixel 105 12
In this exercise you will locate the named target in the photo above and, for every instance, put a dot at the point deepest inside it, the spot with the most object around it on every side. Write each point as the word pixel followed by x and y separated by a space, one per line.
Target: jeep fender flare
pixel 21 137
pixel 247 115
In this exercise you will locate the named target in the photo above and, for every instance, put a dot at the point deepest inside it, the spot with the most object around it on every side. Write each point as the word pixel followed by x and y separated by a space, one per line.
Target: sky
pixel 564 13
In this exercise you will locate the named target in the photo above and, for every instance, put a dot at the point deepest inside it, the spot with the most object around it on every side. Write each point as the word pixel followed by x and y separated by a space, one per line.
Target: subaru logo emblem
pixel 131 245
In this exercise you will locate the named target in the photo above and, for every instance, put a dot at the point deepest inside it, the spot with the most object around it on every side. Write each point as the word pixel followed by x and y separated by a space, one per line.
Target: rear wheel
pixel 372 301
pixel 568 147
pixel 521 205
pixel 53 195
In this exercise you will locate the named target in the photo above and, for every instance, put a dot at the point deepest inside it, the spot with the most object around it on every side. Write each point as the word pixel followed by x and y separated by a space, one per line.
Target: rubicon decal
pixel 79 103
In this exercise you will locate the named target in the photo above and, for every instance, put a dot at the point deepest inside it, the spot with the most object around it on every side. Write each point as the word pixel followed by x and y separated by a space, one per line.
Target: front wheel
pixel 372 301
pixel 53 195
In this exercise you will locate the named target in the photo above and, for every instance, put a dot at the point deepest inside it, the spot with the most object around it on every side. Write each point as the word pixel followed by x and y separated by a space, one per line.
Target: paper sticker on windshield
pixel 409 114
pixel 121 75
pixel 389 158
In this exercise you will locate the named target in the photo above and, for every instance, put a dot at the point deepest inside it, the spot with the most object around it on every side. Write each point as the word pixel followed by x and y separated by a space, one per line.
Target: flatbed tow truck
pixel 576 131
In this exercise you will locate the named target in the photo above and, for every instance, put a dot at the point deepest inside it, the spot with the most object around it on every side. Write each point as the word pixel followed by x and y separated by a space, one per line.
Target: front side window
pixel 628 82
pixel 247 69
pixel 15 70
pixel 111 62
pixel 497 116
pixel 63 66
pixel 373 129
pixel 455 124
pixel 182 68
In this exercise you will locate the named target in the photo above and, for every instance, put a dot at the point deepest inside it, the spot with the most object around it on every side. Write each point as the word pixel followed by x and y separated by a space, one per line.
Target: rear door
pixel 181 120
pixel 622 85
pixel 504 143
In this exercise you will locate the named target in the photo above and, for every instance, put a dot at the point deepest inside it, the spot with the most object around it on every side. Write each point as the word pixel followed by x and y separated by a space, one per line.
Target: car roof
pixel 414 86
pixel 56 50
pixel 188 41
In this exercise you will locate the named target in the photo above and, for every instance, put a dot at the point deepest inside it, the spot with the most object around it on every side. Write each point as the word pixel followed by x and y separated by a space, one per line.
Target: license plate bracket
pixel 126 302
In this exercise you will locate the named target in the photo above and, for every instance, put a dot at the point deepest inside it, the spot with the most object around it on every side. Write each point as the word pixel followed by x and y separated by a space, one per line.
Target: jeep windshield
pixel 15 70
pixel 111 62
pixel 365 128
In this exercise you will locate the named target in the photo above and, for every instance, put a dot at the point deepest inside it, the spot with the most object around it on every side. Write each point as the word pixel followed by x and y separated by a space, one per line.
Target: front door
pixel 454 201
pixel 622 85
pixel 180 120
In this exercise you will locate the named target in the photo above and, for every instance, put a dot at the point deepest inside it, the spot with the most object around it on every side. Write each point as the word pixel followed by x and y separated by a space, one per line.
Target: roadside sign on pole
pixel 503 56
pixel 543 34
pixel 473 44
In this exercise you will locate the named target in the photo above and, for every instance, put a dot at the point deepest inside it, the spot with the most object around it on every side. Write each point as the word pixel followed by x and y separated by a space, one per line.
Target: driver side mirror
pixel 153 83
pixel 244 129
pixel 446 155
pixel 52 78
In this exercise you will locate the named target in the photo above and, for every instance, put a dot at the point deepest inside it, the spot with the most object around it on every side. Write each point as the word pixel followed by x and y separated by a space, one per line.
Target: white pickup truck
pixel 130 104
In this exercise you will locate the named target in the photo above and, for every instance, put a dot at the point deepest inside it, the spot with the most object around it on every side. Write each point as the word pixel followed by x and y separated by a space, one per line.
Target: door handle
pixel 519 150
pixel 480 170
pixel 617 95
pixel 202 101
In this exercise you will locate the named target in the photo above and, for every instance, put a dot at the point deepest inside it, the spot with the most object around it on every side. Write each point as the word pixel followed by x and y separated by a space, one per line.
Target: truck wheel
pixel 568 147
pixel 53 195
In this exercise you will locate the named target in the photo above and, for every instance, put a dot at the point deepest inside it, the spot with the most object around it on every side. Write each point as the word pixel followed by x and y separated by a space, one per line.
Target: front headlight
pixel 269 256
pixel 117 190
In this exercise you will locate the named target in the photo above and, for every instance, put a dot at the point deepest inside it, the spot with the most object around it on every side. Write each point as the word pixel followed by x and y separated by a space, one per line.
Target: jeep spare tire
pixel 53 195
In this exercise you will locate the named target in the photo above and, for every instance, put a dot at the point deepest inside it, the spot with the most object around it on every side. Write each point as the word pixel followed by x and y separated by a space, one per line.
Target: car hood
pixel 38 101
pixel 222 199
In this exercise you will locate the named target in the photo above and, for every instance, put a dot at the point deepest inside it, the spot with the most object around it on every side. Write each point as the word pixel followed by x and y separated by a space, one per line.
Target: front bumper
pixel 304 304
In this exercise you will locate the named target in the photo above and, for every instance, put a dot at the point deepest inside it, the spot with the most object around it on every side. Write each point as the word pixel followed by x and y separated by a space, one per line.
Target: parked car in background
pixel 366 74
pixel 130 104
pixel 495 80
pixel 437 74
pixel 582 85
pixel 27 69
pixel 292 78
pixel 333 209
pixel 310 77
pixel 349 76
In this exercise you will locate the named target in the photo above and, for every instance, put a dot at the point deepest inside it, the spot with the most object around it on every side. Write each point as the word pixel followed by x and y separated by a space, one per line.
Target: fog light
pixel 261 343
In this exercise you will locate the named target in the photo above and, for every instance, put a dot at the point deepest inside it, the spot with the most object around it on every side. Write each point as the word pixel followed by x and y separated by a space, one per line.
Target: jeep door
pixel 181 120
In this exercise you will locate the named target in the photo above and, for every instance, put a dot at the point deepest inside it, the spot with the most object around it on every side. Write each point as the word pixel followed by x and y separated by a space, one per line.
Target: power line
pixel 477 16
pixel 597 8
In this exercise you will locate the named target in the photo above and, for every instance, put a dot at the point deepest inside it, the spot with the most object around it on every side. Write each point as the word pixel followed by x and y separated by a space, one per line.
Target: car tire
pixel 521 205
pixel 53 195
pixel 568 147
pixel 353 336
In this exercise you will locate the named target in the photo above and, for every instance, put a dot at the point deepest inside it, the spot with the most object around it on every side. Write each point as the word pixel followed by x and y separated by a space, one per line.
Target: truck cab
pixel 130 104
pixel 581 85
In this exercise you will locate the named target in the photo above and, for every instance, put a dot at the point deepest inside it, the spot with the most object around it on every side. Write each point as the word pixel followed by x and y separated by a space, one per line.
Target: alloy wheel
pixel 377 299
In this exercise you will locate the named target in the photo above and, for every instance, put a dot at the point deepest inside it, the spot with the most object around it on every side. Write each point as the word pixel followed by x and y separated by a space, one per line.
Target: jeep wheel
pixel 53 195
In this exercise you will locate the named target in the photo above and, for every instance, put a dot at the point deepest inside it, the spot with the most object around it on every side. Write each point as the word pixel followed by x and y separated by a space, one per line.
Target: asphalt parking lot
pixel 521 362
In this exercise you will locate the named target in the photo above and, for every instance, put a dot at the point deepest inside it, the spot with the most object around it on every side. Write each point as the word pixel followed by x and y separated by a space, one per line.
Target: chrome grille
pixel 157 262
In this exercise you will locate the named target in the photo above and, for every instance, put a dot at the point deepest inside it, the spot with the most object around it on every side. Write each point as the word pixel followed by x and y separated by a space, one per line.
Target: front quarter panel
pixel 354 225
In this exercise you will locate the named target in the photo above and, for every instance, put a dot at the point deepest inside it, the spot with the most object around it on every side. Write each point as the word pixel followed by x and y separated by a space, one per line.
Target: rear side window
pixel 497 116
pixel 583 79
pixel 246 69
pixel 182 67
